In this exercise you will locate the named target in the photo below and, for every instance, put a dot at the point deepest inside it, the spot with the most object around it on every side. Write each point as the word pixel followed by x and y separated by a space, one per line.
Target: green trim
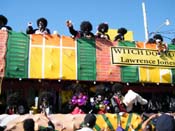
pixel 97 128
pixel 128 122
pixel 118 118
pixel 138 127
pixel 107 121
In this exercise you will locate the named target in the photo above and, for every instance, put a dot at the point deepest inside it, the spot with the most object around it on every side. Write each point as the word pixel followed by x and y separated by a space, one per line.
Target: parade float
pixel 33 63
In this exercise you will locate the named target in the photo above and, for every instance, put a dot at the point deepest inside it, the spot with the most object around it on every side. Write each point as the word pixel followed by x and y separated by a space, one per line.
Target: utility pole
pixel 145 21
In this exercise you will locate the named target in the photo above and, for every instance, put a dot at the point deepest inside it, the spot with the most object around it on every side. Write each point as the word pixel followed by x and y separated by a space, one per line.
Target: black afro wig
pixel 46 95
pixel 103 27
pixel 117 87
pixel 158 37
pixel 122 31
pixel 3 19
pixel 86 26
pixel 43 20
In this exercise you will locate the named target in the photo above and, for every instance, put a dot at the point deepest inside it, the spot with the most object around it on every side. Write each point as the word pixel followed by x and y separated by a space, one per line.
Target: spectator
pixel 165 122
pixel 89 122
pixel 29 125
pixel 42 27
pixel 3 23
pixel 146 126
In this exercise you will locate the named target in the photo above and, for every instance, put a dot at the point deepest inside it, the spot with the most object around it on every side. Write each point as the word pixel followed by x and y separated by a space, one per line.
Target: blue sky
pixel 117 13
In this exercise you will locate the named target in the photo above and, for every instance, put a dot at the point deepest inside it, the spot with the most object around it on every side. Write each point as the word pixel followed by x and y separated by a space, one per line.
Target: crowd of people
pixel 100 103
pixel 154 122
pixel 85 31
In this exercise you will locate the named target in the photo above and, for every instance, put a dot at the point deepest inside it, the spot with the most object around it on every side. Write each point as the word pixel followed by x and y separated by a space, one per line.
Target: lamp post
pixel 166 22
pixel 147 34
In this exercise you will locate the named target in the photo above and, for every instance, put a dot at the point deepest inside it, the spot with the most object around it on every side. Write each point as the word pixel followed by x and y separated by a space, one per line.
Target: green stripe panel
pixel 86 59
pixel 127 43
pixel 172 47
pixel 129 73
pixel 17 55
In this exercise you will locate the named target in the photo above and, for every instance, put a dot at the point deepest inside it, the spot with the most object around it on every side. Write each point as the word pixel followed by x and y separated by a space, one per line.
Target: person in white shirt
pixel 42 27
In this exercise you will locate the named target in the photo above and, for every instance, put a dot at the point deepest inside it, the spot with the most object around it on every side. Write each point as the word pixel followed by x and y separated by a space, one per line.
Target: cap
pixel 165 122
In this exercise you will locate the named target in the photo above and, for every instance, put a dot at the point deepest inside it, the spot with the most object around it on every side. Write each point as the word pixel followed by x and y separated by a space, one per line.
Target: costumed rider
pixel 102 31
pixel 162 47
pixel 117 98
pixel 3 23
pixel 85 30
pixel 46 102
pixel 127 102
pixel 79 103
pixel 120 34
pixel 42 27
pixel 100 103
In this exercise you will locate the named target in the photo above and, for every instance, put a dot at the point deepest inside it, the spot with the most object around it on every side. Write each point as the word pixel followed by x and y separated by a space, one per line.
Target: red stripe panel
pixel 105 70
pixel 3 41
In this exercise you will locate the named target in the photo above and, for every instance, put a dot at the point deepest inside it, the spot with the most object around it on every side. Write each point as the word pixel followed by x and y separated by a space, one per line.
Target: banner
pixel 142 57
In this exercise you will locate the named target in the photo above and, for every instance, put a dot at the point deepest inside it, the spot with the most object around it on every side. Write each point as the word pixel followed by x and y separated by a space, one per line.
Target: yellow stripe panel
pixel 153 74
pixel 49 44
pixel 52 57
pixel 143 74
pixel 149 74
pixel 135 121
pixel 68 58
pixel 52 49
pixel 35 63
pixel 156 75
pixel 52 63
pixel 69 66
pixel 103 124
pixel 165 75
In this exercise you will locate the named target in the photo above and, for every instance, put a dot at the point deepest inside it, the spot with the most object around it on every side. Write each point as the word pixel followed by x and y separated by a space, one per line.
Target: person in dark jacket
pixel 85 30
